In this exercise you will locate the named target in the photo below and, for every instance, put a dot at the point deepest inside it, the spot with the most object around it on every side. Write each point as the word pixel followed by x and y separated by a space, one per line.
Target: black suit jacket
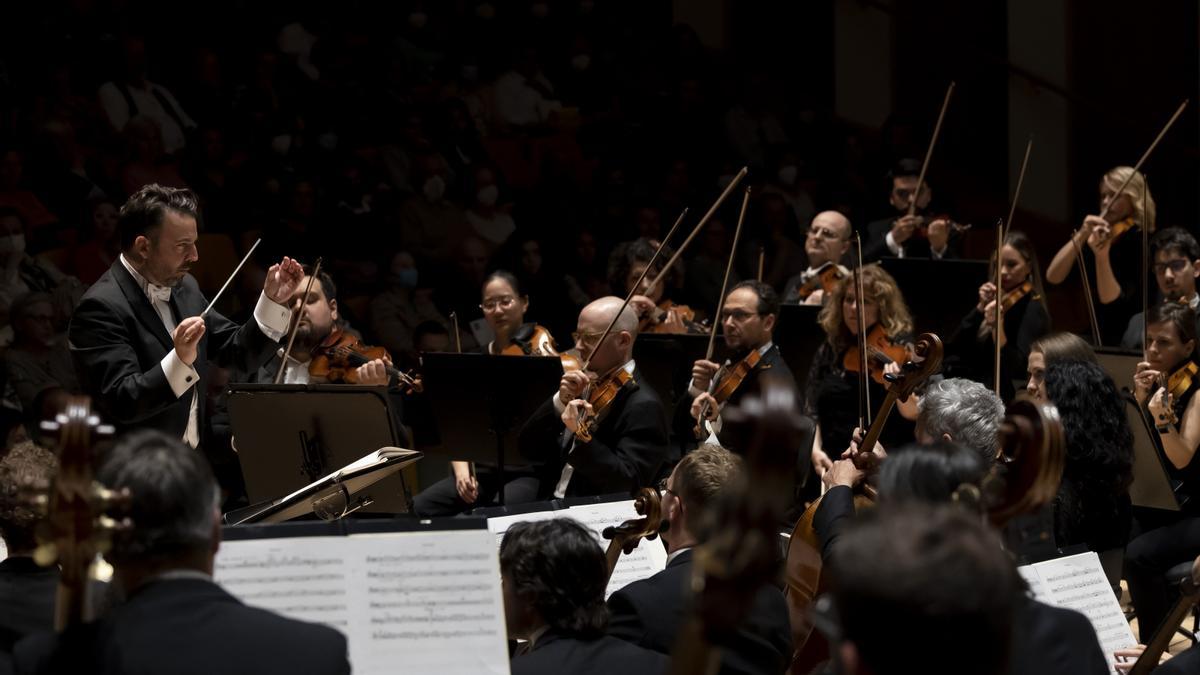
pixel 771 365
pixel 117 340
pixel 625 453
pixel 875 246
pixel 651 612
pixel 27 595
pixel 558 655
pixel 186 626
pixel 1054 641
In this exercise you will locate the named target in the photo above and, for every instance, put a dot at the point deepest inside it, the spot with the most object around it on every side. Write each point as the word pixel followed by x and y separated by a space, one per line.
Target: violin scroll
pixel 624 538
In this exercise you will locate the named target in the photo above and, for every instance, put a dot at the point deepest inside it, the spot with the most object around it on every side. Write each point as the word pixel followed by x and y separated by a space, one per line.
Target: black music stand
pixel 479 401
pixel 1153 487
pixel 938 292
pixel 665 361
pixel 290 435
pixel 799 336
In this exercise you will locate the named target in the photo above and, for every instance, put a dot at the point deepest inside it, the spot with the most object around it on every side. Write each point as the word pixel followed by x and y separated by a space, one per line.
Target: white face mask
pixel 434 188
pixel 488 195
pixel 787 174
pixel 12 244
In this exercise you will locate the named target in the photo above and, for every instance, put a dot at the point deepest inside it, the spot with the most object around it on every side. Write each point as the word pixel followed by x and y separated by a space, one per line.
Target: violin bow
pixel 762 258
pixel 237 269
pixel 864 382
pixel 457 335
pixel 1145 155
pixel 662 274
pixel 1145 273
pixel 712 334
pixel 287 352
pixel 1001 234
pixel 937 129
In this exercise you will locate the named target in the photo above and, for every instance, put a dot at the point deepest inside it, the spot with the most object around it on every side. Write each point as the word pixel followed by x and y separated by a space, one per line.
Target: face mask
pixel 12 244
pixel 434 188
pixel 417 19
pixel 406 278
pixel 581 61
pixel 787 174
pixel 487 196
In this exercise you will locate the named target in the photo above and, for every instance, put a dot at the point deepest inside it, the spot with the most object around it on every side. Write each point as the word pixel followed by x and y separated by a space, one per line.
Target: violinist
pixel 628 436
pixel 826 243
pixel 656 312
pixel 1176 265
pixel 320 326
pixel 833 390
pixel 1024 314
pixel 1168 537
pixel 504 309
pixel 748 323
pixel 1112 257
pixel 650 613
pixel 920 235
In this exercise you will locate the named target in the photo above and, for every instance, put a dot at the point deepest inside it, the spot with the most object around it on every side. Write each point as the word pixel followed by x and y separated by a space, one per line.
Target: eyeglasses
pixel 738 315
pixel 1176 266
pixel 503 303
pixel 662 487
pixel 583 338
pixel 823 233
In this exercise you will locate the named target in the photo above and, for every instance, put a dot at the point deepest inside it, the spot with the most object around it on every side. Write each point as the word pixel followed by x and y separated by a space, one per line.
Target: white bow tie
pixel 158 293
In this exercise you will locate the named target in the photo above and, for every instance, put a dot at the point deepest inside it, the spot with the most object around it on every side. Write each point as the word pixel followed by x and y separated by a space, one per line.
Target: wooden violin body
pixel 881 351
pixel 1014 296
pixel 337 359
pixel 656 321
pixel 600 394
pixel 727 383
pixel 531 340
pixel 826 279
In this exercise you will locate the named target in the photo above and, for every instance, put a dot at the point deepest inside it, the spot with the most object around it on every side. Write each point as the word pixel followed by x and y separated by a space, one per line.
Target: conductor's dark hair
pixel 557 567
pixel 327 284
pixel 174 496
pixel 931 474
pixel 768 299
pixel 1178 240
pixel 947 575
pixel 505 276
pixel 142 214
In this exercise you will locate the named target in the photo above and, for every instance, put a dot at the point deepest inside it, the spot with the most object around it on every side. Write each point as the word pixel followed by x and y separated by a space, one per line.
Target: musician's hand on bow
pixel 843 472
pixel 939 234
pixel 186 338
pixel 373 373
pixel 698 406
pixel 673 322
pixel 903 227
pixel 642 306
pixel 574 411
pixel 466 484
pixel 282 281
pixel 1145 378
pixel 572 386
pixel 1160 407
pixel 987 293
pixel 817 297
pixel 703 372
pixel 1100 234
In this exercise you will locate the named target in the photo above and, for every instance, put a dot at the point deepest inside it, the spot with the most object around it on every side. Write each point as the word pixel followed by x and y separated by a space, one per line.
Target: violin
pixel 338 357
pixel 954 227
pixel 881 351
pixel 655 321
pixel 600 394
pixel 728 381
pixel 826 279
pixel 530 340
pixel 1176 385
pixel 624 538
pixel 1014 296
pixel 1117 229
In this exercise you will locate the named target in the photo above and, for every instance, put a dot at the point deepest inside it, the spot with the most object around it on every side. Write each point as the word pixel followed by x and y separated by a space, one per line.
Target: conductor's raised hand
pixel 187 338
pixel 282 281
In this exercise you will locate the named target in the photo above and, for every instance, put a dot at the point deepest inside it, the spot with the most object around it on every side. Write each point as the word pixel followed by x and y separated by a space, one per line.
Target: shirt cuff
pixel 557 403
pixel 180 376
pixel 893 246
pixel 273 318
pixel 693 390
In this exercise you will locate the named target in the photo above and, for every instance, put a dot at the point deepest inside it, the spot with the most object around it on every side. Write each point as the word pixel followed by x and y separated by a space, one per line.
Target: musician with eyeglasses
pixel 748 319
pixel 826 243
pixel 1176 266
pixel 920 234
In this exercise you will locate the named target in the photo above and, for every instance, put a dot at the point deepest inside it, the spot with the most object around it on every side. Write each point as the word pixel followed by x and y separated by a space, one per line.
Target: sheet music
pixel 428 600
pixel 648 559
pixel 1078 582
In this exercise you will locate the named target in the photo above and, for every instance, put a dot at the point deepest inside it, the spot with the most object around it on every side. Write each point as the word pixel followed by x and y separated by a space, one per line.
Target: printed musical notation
pixel 1078 582
pixel 429 600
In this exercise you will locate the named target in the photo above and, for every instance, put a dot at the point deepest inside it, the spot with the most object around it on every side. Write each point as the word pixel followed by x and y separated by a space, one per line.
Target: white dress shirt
pixel 271 317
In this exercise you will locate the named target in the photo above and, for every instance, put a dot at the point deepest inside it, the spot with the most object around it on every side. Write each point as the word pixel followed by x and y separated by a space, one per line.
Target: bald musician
pixel 826 243
pixel 628 446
